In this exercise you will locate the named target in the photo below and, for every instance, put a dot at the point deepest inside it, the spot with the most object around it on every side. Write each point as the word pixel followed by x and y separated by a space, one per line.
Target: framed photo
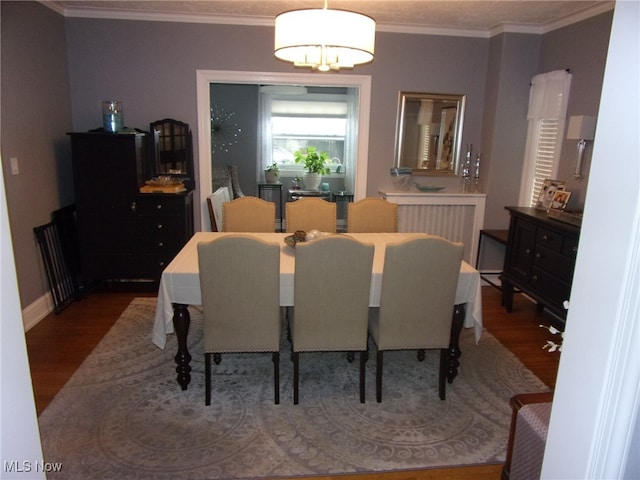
pixel 548 190
pixel 560 200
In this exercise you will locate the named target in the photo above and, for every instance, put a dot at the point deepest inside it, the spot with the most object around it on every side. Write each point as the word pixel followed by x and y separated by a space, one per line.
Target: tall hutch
pixel 124 234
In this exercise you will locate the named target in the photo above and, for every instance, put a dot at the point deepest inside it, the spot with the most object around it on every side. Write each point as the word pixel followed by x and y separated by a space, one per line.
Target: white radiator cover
pixel 458 217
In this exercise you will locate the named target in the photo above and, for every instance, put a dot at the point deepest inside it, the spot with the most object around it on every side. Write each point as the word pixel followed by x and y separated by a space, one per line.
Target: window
pixel 291 122
pixel 547 111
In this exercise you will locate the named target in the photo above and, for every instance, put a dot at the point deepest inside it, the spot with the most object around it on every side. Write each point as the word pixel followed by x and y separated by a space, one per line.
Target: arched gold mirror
pixel 429 132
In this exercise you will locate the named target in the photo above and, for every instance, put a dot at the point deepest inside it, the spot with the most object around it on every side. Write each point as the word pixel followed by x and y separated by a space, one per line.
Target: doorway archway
pixel 205 77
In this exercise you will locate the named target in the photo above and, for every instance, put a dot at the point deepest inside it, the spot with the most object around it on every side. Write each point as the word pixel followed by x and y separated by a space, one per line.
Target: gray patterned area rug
pixel 122 415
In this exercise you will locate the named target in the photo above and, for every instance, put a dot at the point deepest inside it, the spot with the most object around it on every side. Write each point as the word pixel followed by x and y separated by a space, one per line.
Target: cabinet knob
pixel 161 263
pixel 161 244
pixel 159 206
pixel 538 256
pixel 159 226
pixel 133 206
pixel 534 278
pixel 527 251
pixel 545 237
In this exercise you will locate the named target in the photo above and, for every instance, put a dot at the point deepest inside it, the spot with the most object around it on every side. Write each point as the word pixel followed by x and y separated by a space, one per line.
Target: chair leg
pixel 379 358
pixel 207 378
pixel 276 376
pixel 296 361
pixel 363 363
pixel 442 376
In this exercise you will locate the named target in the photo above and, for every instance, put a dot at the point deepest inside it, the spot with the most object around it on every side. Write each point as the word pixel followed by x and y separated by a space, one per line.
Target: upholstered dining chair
pixel 419 284
pixel 214 203
pixel 249 214
pixel 372 215
pixel 332 282
pixel 311 214
pixel 240 285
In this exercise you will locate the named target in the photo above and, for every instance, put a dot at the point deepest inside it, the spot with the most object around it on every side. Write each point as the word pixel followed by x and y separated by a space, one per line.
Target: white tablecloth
pixel 180 281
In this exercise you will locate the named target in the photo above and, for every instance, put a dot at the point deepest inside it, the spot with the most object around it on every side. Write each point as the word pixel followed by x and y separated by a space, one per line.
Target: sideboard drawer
pixel 540 259
pixel 160 205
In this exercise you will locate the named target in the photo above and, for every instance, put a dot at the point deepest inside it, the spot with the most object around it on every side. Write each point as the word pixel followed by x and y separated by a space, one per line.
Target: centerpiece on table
pixel 315 164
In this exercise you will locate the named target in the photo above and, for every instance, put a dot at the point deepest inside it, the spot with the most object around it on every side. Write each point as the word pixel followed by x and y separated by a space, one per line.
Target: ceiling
pixel 460 17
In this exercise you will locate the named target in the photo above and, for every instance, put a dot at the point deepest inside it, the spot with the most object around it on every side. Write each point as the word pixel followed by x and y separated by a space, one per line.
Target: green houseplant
pixel 271 173
pixel 315 163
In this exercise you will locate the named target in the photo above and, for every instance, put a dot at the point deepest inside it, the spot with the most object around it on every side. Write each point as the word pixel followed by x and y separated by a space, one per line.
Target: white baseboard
pixel 32 314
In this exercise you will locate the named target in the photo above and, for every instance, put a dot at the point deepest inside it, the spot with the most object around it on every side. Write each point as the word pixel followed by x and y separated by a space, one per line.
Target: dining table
pixel 180 287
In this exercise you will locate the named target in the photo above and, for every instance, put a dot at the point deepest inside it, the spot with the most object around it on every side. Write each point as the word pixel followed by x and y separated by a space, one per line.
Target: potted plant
pixel 315 163
pixel 271 173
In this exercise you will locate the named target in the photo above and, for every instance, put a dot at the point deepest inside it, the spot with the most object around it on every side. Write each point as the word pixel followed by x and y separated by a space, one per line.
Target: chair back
pixel 372 215
pixel 331 294
pixel 419 284
pixel 249 214
pixel 240 286
pixel 311 214
pixel 214 203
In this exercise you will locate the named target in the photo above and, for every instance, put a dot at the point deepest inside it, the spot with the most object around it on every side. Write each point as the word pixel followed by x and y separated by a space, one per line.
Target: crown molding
pixel 125 14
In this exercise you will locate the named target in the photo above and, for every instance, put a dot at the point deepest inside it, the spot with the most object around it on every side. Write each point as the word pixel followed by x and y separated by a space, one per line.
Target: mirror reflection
pixel 429 132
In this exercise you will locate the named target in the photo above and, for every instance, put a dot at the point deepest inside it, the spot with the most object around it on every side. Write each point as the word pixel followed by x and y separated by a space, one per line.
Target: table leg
pixel 181 322
pixel 454 345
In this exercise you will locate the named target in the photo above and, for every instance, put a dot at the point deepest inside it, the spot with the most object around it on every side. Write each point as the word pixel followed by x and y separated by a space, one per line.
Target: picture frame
pixel 548 190
pixel 560 200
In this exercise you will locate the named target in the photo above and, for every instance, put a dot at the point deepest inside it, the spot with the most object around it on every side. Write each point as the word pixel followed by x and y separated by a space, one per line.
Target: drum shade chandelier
pixel 324 39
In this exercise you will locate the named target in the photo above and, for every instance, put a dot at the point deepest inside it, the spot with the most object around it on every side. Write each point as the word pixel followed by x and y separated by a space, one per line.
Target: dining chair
pixel 249 214
pixel 311 214
pixel 240 286
pixel 332 282
pixel 214 203
pixel 372 215
pixel 419 282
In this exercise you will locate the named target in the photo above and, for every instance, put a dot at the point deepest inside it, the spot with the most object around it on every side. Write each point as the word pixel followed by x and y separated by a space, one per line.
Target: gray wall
pixel 36 114
pixel 150 66
pixel 583 49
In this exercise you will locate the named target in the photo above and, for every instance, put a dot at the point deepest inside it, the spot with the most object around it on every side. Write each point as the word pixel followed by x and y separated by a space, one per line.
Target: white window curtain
pixel 351 144
pixel 548 99
pixel 265 138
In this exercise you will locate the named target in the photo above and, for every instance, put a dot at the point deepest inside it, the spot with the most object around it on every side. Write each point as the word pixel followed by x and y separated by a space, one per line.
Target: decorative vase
pixel 312 181
pixel 270 176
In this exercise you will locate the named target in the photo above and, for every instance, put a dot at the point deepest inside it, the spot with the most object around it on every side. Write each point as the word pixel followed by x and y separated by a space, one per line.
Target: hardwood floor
pixel 60 343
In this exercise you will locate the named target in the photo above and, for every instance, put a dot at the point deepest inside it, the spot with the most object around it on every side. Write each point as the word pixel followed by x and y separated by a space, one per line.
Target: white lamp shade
pixel 324 39
pixel 581 127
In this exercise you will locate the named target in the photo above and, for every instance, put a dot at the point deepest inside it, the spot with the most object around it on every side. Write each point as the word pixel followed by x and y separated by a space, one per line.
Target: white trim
pixel 256 20
pixel 32 314
pixel 206 77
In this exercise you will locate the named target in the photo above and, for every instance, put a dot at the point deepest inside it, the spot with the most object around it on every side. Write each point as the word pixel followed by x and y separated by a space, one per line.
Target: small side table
pixel 273 187
pixel 499 236
pixel 341 200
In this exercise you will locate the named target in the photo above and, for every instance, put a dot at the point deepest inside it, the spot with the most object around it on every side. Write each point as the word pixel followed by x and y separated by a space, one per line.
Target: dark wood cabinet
pixel 540 259
pixel 165 223
pixel 119 227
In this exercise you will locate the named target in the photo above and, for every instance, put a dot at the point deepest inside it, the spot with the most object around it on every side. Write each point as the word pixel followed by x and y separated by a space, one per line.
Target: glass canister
pixel 112 117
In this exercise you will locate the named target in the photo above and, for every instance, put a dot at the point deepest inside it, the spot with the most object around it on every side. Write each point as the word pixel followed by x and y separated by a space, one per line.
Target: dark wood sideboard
pixel 540 259
pixel 124 234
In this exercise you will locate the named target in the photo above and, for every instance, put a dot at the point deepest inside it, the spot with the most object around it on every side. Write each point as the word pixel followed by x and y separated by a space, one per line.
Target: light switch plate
pixel 15 169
